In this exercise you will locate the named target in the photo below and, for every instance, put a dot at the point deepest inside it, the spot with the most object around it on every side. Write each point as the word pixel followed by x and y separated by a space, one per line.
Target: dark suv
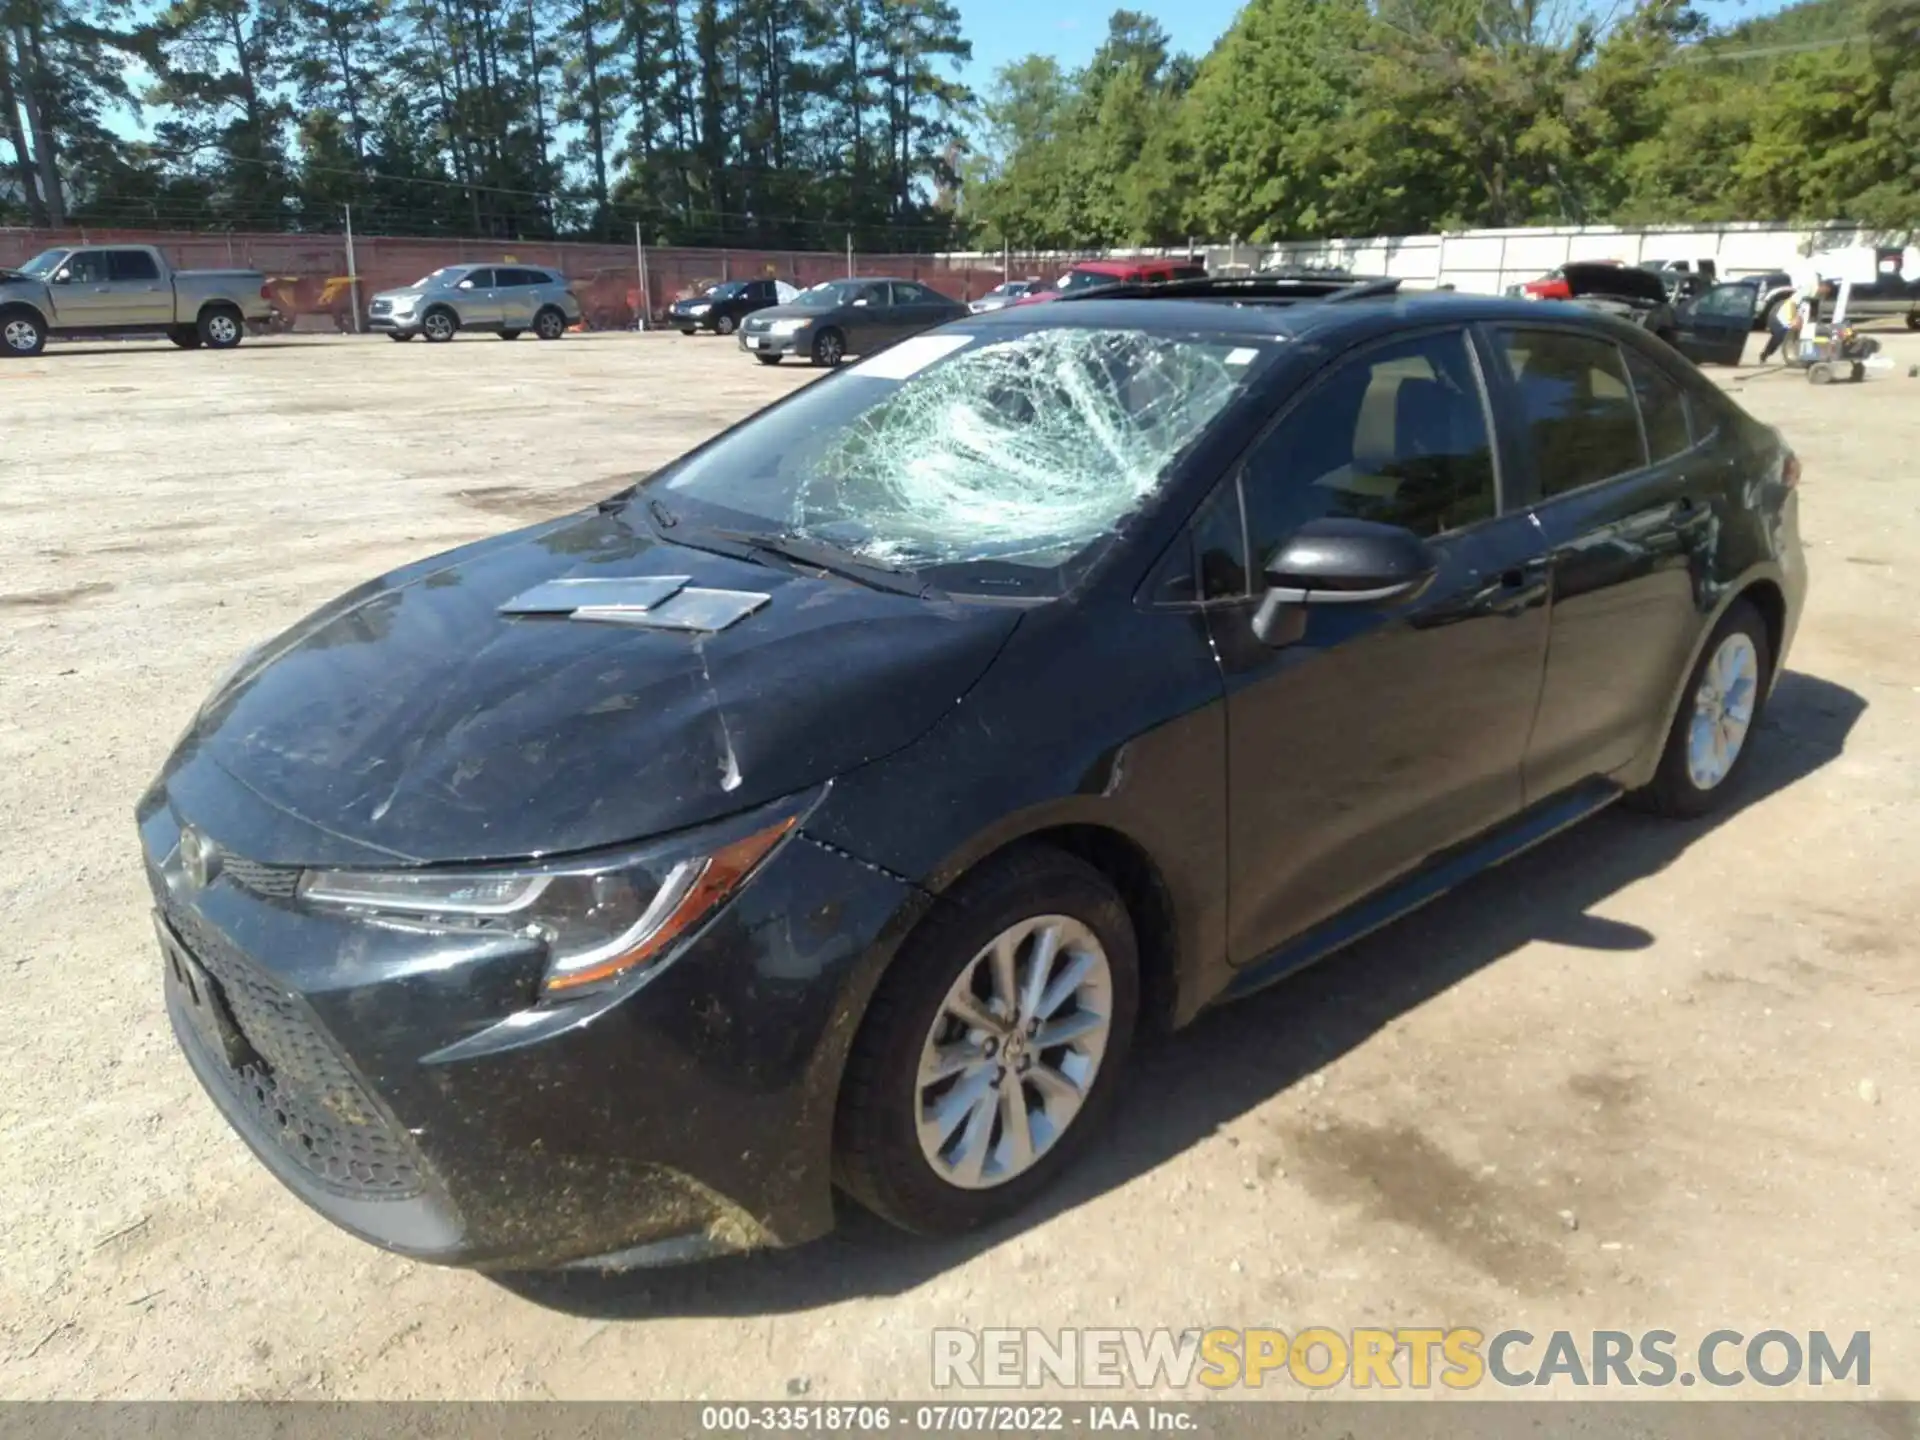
pixel 724 306
pixel 832 807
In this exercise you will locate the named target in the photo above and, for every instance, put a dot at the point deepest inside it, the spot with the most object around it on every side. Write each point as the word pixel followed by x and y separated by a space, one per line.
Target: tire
pixel 439 325
pixel 1857 373
pixel 23 334
pixel 549 324
pixel 187 337
pixel 768 359
pixel 724 325
pixel 1820 373
pixel 1675 790
pixel 510 334
pixel 1913 319
pixel 220 327
pixel 829 348
pixel 400 335
pixel 880 1157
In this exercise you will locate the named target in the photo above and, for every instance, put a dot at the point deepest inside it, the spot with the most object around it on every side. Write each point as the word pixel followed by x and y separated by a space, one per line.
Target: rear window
pixel 1577 405
pixel 131 265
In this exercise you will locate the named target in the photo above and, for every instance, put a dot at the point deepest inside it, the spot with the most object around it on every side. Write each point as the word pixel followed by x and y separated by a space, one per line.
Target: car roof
pixel 1356 318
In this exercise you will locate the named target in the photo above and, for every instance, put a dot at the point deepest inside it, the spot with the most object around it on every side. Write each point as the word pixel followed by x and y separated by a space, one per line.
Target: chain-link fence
pixel 313 286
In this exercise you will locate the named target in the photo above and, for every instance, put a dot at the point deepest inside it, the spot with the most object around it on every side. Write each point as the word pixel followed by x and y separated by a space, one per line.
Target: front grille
pixel 297 1088
pixel 381 307
pixel 275 882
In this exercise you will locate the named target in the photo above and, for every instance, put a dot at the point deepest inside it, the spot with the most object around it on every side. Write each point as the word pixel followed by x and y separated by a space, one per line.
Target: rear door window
pixel 131 265
pixel 1576 407
pixel 1663 410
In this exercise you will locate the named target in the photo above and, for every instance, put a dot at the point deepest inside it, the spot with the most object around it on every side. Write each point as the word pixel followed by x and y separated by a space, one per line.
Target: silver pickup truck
pixel 78 291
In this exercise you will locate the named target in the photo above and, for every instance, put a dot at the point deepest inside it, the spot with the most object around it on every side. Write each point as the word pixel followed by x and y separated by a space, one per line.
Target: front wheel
pixel 829 348
pixel 221 328
pixel 402 336
pixel 768 359
pixel 187 337
pixel 22 334
pixel 438 326
pixel 1708 741
pixel 724 325
pixel 549 325
pixel 993 1049
pixel 510 334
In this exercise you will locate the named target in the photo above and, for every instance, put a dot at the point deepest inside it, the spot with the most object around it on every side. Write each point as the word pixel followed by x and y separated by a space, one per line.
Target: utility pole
pixel 353 274
pixel 640 259
pixel 849 254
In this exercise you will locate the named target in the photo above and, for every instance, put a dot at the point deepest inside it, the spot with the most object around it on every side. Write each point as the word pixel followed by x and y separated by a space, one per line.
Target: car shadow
pixel 1188 1085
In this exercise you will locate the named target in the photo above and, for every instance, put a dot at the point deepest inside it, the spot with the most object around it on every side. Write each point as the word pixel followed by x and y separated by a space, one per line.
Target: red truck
pixel 1087 274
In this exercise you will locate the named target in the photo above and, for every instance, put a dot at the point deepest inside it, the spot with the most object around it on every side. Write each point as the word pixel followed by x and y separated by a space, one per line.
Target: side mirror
pixel 1342 562
pixel 62 276
pixel 464 285
pixel 861 302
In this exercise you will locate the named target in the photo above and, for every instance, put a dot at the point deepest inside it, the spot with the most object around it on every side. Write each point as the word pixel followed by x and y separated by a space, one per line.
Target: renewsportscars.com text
pixel 1405 1357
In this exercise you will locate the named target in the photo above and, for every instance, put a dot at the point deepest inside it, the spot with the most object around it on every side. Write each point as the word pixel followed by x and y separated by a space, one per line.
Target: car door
pixel 918 308
pixel 83 293
pixel 479 297
pixel 1602 450
pixel 517 293
pixel 874 324
pixel 1712 327
pixel 1363 740
pixel 141 294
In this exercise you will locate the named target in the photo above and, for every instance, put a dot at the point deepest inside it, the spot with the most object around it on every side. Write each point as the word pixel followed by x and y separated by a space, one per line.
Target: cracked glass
pixel 1025 450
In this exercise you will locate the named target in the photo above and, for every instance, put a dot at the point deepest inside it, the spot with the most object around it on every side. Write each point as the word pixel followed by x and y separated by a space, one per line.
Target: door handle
pixel 1521 587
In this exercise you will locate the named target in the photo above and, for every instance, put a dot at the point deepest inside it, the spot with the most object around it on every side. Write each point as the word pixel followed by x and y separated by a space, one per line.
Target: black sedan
pixel 837 804
pixel 846 317
pixel 721 308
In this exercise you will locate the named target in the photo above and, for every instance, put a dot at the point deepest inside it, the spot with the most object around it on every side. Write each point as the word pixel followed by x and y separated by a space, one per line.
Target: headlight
pixel 698 309
pixel 599 917
pixel 788 327
pixel 404 307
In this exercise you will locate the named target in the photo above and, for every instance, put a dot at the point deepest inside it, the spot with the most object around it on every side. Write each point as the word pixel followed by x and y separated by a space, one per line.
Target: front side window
pixel 44 264
pixel 1396 435
pixel 131 265
pixel 1576 407
pixel 1027 452
pixel 87 267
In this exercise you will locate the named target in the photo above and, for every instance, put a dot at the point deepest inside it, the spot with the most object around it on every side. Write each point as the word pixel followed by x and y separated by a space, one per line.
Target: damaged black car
pixel 828 812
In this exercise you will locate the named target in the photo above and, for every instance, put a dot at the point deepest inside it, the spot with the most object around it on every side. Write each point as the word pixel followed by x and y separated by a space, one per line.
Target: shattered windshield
pixel 45 263
pixel 953 449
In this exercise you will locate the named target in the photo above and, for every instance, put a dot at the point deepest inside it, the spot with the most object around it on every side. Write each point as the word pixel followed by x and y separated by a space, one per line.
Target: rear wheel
pixel 401 335
pixel 993 1048
pixel 22 333
pixel 187 337
pixel 510 334
pixel 221 327
pixel 1708 741
pixel 549 324
pixel 768 359
pixel 829 348
pixel 724 325
pixel 438 325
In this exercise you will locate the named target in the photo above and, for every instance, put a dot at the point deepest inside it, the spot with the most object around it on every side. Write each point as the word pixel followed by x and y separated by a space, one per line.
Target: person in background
pixel 1784 322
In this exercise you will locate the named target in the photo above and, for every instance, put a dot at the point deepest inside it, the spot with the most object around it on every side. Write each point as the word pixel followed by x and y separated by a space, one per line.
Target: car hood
pixel 405 292
pixel 412 719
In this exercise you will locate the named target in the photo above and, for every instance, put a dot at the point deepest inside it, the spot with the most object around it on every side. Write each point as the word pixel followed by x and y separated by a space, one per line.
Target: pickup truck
pixel 77 291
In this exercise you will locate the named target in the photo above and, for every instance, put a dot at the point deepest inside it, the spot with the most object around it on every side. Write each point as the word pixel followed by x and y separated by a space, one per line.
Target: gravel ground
pixel 1647 1076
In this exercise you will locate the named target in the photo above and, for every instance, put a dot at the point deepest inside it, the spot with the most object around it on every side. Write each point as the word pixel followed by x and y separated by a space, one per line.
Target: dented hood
pixel 412 717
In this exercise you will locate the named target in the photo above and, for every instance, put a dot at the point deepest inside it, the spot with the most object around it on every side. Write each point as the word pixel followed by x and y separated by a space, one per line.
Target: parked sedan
pixel 1003 295
pixel 722 307
pixel 503 300
pixel 845 317
pixel 833 806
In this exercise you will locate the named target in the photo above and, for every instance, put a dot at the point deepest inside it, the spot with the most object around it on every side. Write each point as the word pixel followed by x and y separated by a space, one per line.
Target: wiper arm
pixel 825 555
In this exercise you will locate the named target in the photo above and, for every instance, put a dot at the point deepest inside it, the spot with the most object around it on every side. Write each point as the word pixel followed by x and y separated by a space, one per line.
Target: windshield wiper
pixel 825 555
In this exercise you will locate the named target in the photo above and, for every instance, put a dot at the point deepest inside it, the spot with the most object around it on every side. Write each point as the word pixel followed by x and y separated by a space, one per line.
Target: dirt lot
pixel 1696 1042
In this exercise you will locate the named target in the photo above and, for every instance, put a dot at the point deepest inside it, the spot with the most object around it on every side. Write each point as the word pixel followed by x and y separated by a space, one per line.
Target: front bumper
pixel 406 1086
pixel 398 324
pixel 767 343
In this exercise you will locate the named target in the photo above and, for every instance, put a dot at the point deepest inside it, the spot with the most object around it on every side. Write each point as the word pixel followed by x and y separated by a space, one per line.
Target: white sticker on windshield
pixel 1245 355
pixel 910 357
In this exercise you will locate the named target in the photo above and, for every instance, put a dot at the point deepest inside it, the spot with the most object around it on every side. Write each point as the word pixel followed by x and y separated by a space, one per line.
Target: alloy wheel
pixel 1013 1052
pixel 437 327
pixel 222 329
pixel 1722 711
pixel 550 326
pixel 22 336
